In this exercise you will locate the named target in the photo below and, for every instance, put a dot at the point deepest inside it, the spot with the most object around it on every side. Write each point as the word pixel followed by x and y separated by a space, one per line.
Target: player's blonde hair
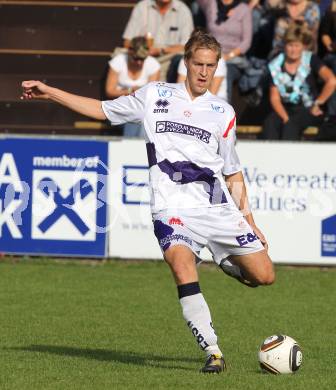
pixel 200 39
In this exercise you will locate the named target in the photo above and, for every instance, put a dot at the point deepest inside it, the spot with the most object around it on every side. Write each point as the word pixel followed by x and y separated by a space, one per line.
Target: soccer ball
pixel 280 354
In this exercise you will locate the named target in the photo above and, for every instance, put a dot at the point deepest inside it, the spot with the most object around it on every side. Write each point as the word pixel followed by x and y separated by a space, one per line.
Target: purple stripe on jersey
pixel 151 154
pixel 162 231
pixel 184 172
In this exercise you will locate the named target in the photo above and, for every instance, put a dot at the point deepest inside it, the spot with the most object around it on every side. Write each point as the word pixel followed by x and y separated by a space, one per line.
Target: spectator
pixel 257 14
pixel 328 37
pixel 168 25
pixel 218 84
pixel 230 22
pixel 130 71
pixel 293 93
pixel 275 4
pixel 324 5
pixel 264 14
pixel 302 11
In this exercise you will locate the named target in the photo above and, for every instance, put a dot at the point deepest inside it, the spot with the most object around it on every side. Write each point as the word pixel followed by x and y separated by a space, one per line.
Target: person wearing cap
pixel 295 99
pixel 130 71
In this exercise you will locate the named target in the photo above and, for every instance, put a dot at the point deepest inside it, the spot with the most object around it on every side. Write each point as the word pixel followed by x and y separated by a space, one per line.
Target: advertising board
pixel 52 196
pixel 292 193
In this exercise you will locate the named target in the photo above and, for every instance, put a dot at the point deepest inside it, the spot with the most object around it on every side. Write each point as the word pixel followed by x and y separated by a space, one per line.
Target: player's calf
pixel 253 269
pixel 194 307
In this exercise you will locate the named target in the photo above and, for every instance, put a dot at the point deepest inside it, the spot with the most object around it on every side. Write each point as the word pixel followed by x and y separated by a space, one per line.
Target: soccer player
pixel 198 195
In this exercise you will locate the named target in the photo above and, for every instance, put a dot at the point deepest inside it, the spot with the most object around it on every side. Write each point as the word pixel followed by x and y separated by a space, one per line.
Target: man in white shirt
pixel 168 23
pixel 198 195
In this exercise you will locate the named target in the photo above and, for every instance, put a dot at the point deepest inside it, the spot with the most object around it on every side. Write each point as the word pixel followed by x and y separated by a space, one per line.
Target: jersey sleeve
pixel 130 108
pixel 227 148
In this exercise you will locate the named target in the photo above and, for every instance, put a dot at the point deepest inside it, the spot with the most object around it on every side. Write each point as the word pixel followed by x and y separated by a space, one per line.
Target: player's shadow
pixel 139 359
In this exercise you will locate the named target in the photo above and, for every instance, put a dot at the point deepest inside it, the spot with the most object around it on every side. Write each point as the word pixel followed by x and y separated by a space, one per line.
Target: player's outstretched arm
pixel 34 89
pixel 237 188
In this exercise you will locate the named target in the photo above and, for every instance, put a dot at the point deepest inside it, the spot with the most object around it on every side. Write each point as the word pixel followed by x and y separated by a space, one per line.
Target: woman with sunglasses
pixel 129 72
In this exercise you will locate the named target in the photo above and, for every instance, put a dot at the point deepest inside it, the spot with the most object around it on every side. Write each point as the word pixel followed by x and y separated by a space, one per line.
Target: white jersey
pixel 190 143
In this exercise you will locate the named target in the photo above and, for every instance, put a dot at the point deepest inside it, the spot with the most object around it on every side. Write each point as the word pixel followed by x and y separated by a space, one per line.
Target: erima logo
pixel 162 104
pixel 217 108
pixel 244 239
pixel 175 221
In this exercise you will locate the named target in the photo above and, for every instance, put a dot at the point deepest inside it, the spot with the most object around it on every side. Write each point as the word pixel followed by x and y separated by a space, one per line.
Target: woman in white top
pixel 218 85
pixel 129 72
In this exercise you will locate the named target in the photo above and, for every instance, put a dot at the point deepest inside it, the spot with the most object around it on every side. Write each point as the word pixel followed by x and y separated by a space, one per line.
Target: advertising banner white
pixel 130 222
pixel 292 192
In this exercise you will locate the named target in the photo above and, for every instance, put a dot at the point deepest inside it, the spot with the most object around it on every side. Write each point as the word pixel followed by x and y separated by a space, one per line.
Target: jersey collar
pixel 184 89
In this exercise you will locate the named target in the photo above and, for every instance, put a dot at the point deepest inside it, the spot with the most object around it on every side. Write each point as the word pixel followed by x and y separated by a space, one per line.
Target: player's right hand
pixel 261 237
pixel 33 89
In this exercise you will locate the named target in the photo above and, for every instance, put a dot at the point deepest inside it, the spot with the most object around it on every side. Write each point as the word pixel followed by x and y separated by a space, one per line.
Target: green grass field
pixel 118 325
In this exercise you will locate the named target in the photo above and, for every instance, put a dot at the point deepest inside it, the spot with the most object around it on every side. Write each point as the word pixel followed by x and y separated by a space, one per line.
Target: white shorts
pixel 223 230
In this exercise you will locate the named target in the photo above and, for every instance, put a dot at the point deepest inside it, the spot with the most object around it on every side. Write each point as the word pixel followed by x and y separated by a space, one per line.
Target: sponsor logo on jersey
pixel 164 92
pixel 175 221
pixel 174 237
pixel 182 128
pixel 187 114
pixel 245 239
pixel 161 104
pixel 216 108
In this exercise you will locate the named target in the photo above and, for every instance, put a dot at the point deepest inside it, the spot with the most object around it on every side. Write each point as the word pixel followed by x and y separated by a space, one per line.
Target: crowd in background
pixel 282 50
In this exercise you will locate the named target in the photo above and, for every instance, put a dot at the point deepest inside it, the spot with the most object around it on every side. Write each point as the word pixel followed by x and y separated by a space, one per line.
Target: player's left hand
pixel 262 238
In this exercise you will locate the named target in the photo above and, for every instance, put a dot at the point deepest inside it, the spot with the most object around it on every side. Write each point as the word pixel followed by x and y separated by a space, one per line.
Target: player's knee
pixel 266 278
